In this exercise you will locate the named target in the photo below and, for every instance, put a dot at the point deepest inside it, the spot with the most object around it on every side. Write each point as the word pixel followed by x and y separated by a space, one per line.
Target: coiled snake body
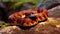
pixel 28 17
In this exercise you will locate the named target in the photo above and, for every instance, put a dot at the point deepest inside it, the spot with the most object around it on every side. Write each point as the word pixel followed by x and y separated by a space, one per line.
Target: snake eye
pixel 32 13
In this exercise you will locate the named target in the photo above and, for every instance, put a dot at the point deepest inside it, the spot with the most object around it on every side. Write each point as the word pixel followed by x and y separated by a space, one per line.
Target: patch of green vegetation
pixel 3 25
pixel 17 3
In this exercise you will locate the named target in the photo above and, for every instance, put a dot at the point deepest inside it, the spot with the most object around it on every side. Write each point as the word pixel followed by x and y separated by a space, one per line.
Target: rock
pixel 9 30
pixel 55 13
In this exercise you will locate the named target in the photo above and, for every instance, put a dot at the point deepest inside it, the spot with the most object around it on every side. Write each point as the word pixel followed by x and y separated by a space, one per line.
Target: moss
pixel 3 25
